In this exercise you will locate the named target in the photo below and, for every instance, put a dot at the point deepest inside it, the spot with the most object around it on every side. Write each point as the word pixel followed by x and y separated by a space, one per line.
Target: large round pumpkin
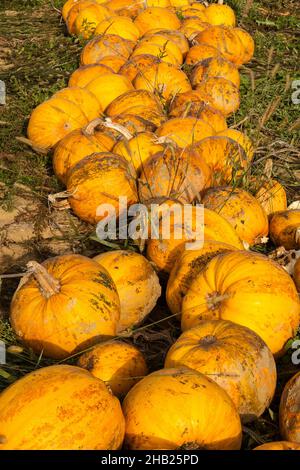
pixel 220 93
pixel 120 25
pixel 74 10
pixel 161 47
pixel 185 131
pixel 105 46
pixel 177 409
pixel 137 64
pixel 98 180
pixel 86 101
pixel 118 364
pixel 137 284
pixel 289 410
pixel 87 20
pixel 187 266
pixel 279 445
pixel 225 40
pixel 201 52
pixel 242 211
pixel 249 289
pixel 171 35
pixel 285 229
pixel 130 101
pixel 247 43
pixel 234 357
pixel 109 87
pixel 191 26
pixel 242 139
pixel 272 197
pixel 215 67
pixel 85 74
pixel 219 14
pixel 66 304
pixel 60 408
pixel 153 17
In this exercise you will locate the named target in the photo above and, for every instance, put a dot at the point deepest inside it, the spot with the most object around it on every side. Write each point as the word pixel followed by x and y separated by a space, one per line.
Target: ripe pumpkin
pixel 164 79
pixel 76 146
pixel 164 251
pixel 58 408
pixel 219 14
pixel 132 100
pixel 192 12
pixel 136 282
pixel 166 45
pixel 109 87
pixel 279 445
pixel 105 46
pixel 129 8
pixel 272 197
pixel 67 7
pixel 118 364
pixel 172 35
pixel 138 149
pixel 247 43
pixel 88 18
pixel 74 12
pixel 85 74
pixel 86 101
pixel 296 274
pixel 176 174
pixel 140 119
pixel 235 358
pixel 226 41
pixel 249 289
pixel 285 229
pixel 99 179
pixel 191 26
pixel 187 266
pixel 185 131
pixel 137 64
pixel 85 314
pixel 201 52
pixel 163 53
pixel 215 67
pixel 150 18
pixel 165 393
pixel 157 3
pixel 241 210
pixel 220 93
pixel 194 5
pixel 289 410
pixel 179 3
pixel 114 62
pixel 119 25
pixel 242 139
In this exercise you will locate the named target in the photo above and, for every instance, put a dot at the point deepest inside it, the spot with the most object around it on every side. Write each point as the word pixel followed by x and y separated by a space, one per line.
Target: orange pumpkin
pixel 165 393
pixel 215 67
pixel 129 8
pixel 131 101
pixel 235 358
pixel 136 282
pixel 151 17
pixel 172 35
pixel 67 7
pixel 109 87
pixel 87 20
pixel 187 266
pixel 140 119
pixel 272 197
pixel 85 314
pixel 85 74
pixel 74 11
pixel 219 14
pixel 242 139
pixel 296 274
pixel 104 46
pixel 166 49
pixel 97 180
pixel 118 364
pixel 114 62
pixel 191 26
pixel 86 101
pixel 247 43
pixel 137 64
pixel 185 131
pixel 289 410
pixel 241 210
pixel 192 12
pixel 201 52
pixel 249 289
pixel 225 40
pixel 285 229
pixel 220 93
pixel 119 25
pixel 279 445
pixel 58 408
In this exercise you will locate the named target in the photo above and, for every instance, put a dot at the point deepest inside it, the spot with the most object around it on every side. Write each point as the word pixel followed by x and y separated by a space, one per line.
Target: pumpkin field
pixel 149 340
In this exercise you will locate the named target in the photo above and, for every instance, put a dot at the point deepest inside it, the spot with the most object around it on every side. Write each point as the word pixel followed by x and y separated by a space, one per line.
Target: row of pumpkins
pixel 165 130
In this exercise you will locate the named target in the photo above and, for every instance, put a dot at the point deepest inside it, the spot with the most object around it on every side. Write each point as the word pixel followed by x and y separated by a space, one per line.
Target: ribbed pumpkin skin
pixel 86 101
pixel 191 27
pixel 285 229
pixel 241 210
pixel 85 74
pixel 220 94
pixel 210 420
pixel 235 358
pixel 119 365
pixel 187 266
pixel 137 64
pixel 137 285
pixel 279 445
pixel 161 47
pixel 131 100
pixel 220 15
pixel 272 197
pixel 215 67
pixel 185 131
pixel 85 308
pixel 99 179
pixel 105 46
pixel 150 18
pixel 172 35
pixel 249 289
pixel 225 40
pixel 289 410
pixel 76 146
pixel 164 252
pixel 59 408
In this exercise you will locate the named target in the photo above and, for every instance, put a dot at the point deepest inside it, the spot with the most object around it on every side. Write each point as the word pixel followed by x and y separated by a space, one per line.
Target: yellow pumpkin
pixel 132 100
pixel 51 314
pixel 218 14
pixel 118 364
pixel 194 5
pixel 129 8
pixel 108 87
pixel 157 3
pixel 175 174
pixel 285 229
pixel 242 139
pixel 192 12
pixel 58 408
pixel 249 289
pixel 172 35
pixel 136 282
pixel 85 74
pixel 247 43
pixel 205 416
pixel 164 79
pixel 88 18
pixel 70 3
pixel 272 197
pixel 185 131
pixel 279 445
pixel 114 62
pixel 234 357
pixel 105 46
pixel 191 27
pixel 74 12
pixel 119 25
pixel 76 146
pixel 179 3
pixel 201 52
pixel 241 210
pixel 163 53
pixel 215 67
pixel 140 119
pixel 226 41
pixel 187 266
pixel 150 18
pixel 84 99
pixel 289 410
pixel 137 64
pixel 138 149
pixel 220 93
pixel 166 45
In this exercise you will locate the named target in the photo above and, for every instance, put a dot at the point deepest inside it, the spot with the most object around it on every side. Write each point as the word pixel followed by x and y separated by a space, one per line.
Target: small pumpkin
pixel 241 210
pixel 85 74
pixel 242 139
pixel 84 315
pixel 201 52
pixel 132 100
pixel 279 445
pixel 272 197
pixel 151 17
pixel 165 393
pixel 108 87
pixel 296 274
pixel 185 131
pixel 219 14
pixel 58 408
pixel 87 20
pixel 249 289
pixel 97 180
pixel 137 64
pixel 215 67
pixel 289 410
pixel 235 358
pixel 285 229
pixel 118 364
pixel 226 41
pixel 120 25
pixel 220 93
pixel 104 46
pixel 136 282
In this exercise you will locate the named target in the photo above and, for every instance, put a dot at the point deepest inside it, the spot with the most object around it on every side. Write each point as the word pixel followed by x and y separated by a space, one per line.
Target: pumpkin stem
pixel 90 128
pixel 214 299
pixel 48 284
pixel 220 2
